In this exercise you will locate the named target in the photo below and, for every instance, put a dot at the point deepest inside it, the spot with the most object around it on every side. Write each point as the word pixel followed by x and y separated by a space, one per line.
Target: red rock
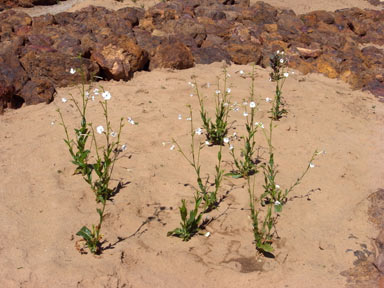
pixel 172 55
pixel 244 53
pixel 55 66
pixel 309 53
pixel 119 58
pixel 37 90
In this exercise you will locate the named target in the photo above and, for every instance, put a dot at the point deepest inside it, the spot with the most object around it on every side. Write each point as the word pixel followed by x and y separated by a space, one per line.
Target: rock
pixel 55 66
pixel 309 53
pixel 244 53
pixel 6 93
pixel 208 55
pixel 172 55
pixel 328 65
pixel 119 58
pixel 37 90
pixel 379 262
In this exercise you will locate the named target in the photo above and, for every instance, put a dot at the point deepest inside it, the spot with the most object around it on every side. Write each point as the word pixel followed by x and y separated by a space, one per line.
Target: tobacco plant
pixel 203 187
pixel 262 232
pixel 278 63
pixel 97 174
pixel 246 162
pixel 216 130
pixel 189 226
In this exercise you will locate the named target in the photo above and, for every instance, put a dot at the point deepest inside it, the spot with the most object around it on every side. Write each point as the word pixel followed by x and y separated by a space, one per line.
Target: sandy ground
pixel 43 205
pixel 299 6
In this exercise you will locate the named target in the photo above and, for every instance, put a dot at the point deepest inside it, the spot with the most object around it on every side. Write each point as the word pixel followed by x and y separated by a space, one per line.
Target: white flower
pixel 207 143
pixel 217 92
pixel 234 134
pixel 245 114
pixel 207 234
pixel 100 129
pixel 124 147
pixel 52 123
pixel 245 103
pixel 236 109
pixel 278 52
pixel 106 95
pixel 241 72
pixel 277 203
pixel 93 97
pixel 268 99
pixel 172 147
pixel 191 84
pixel 86 94
pixel 228 75
pixel 179 117
pixel 281 61
pixel 191 95
pixel 64 100
pixel 282 53
pixel 252 104
pixel 229 90
pixel 113 134
pixel 130 121
pixel 226 140
pixel 72 71
pixel 311 165
pixel 277 186
pixel 231 147
pixel 260 124
pixel 96 91
pixel 225 104
pixel 286 74
pixel 199 131
pixel 189 119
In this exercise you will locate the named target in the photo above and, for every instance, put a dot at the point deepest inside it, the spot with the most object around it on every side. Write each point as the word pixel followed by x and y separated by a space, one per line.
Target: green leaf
pixel 266 247
pixel 278 208
pixel 234 175
pixel 85 233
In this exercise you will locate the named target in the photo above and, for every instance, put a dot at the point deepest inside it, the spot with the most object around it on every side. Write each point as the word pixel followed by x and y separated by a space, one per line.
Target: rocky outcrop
pixel 36 54
pixel 6 4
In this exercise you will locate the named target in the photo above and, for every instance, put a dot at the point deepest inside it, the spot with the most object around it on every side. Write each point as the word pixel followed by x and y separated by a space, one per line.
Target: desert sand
pixel 43 205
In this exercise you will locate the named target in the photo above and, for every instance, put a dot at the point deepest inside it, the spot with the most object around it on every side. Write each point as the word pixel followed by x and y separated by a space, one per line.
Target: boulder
pixel 37 90
pixel 119 58
pixel 173 55
pixel 55 66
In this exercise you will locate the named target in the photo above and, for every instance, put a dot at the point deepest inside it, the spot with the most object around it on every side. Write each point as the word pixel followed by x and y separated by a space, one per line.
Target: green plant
pixel 272 191
pixel 209 197
pixel 98 174
pixel 245 164
pixel 216 130
pixel 103 169
pixel 263 234
pixel 278 63
pixel 189 225
pixel 77 146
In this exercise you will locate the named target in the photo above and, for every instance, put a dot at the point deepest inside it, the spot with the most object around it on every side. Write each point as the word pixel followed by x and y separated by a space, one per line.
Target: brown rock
pixel 328 65
pixel 119 58
pixel 208 55
pixel 55 66
pixel 309 53
pixel 6 93
pixel 37 90
pixel 244 53
pixel 172 55
pixel 379 262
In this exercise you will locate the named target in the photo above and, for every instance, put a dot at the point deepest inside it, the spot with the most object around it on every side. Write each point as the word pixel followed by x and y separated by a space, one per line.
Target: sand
pixel 43 205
